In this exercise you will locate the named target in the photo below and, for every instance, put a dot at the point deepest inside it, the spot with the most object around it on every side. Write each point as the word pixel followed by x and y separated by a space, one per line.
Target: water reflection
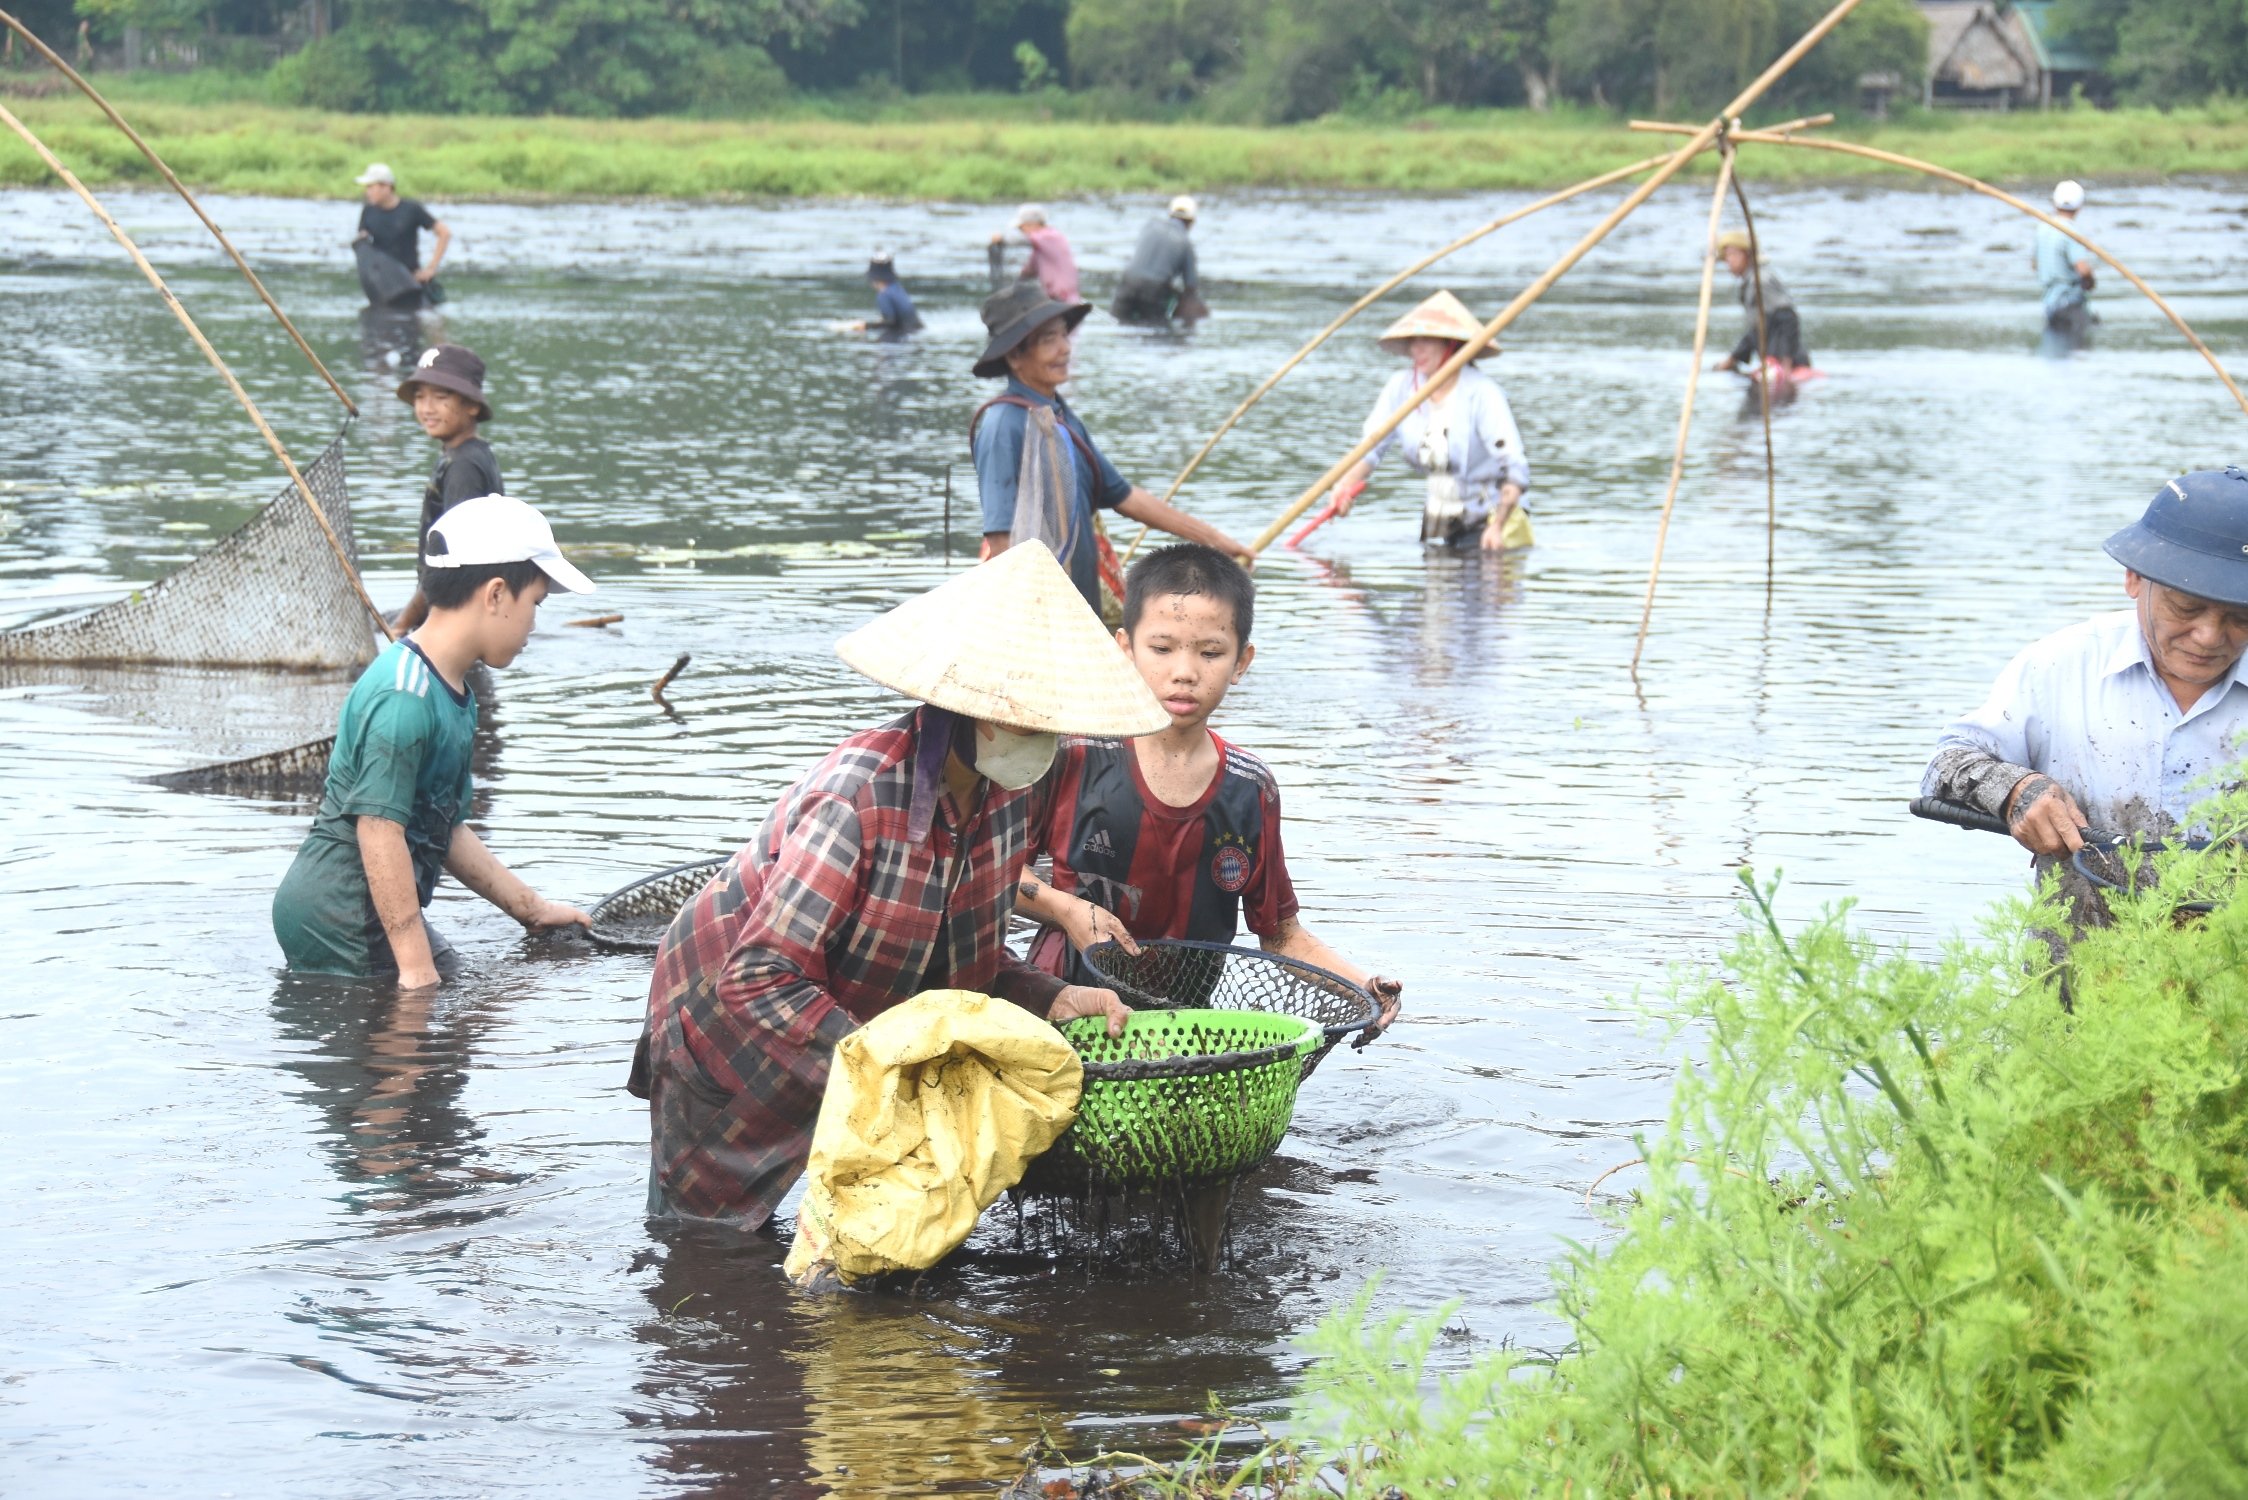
pixel 385 1071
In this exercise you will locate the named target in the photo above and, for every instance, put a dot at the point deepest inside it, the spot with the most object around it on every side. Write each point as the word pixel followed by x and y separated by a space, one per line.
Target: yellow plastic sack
pixel 933 1109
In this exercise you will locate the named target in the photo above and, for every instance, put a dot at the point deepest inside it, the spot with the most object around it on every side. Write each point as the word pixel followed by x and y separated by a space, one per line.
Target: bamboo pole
pixel 1590 184
pixel 1763 383
pixel 1686 408
pixel 335 543
pixel 1961 179
pixel 1699 142
pixel 179 187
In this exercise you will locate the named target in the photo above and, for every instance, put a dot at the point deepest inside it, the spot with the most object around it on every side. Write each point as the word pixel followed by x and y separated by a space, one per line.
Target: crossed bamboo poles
pixel 257 418
pixel 1723 134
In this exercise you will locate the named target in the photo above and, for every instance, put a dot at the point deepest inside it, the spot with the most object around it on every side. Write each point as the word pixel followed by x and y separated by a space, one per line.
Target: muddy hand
pixel 2044 818
pixel 1389 994
pixel 1077 1000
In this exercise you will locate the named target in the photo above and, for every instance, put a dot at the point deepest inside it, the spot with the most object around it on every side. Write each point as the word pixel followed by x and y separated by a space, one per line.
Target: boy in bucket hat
pixel 2114 723
pixel 394 809
pixel 446 391
pixel 889 869
pixel 1037 471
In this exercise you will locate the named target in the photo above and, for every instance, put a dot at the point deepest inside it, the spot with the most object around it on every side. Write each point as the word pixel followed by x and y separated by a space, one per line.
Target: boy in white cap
pixel 394 810
pixel 889 869
pixel 2064 272
pixel 1161 267
pixel 393 225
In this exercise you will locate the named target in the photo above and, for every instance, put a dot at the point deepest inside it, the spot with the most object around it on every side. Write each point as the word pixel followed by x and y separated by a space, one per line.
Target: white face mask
pixel 1010 758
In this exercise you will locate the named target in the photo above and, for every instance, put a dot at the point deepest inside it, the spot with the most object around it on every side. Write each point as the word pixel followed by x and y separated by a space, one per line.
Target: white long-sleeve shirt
pixel 2085 707
pixel 1486 447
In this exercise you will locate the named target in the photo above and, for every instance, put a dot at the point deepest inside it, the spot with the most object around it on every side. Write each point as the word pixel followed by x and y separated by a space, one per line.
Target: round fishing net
pixel 1170 973
pixel 635 918
pixel 1183 1098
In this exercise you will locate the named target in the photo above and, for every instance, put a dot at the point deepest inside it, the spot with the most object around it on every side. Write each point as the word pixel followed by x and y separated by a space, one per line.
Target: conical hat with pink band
pixel 1442 316
pixel 1010 642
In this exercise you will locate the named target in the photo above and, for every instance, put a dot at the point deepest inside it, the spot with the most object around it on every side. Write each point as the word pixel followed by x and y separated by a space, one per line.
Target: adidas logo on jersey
pixel 1097 844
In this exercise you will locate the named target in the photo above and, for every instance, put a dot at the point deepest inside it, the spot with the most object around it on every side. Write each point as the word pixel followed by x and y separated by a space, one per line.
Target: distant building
pixel 1992 54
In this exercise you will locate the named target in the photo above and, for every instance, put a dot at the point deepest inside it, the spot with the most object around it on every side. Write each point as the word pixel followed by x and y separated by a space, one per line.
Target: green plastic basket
pixel 1182 1098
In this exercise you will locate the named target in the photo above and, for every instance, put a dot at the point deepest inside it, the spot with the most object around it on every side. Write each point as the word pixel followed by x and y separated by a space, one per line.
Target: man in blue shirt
pixel 1029 433
pixel 2064 273
pixel 895 316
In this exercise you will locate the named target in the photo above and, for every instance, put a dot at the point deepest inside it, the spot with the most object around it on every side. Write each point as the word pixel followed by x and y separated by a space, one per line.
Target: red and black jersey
pixel 1170 872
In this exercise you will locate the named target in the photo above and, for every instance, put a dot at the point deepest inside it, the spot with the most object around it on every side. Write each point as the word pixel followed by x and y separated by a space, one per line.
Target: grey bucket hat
pixel 1014 315
pixel 2193 537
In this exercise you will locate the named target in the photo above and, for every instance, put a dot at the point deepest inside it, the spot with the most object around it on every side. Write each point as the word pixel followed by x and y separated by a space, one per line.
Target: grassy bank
pixel 910 150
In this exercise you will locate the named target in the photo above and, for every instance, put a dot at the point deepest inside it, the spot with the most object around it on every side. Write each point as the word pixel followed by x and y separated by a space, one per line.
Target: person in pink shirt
pixel 1050 259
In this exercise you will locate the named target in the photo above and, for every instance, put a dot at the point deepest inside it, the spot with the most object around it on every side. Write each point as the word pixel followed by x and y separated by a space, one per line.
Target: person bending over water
pixel 394 810
pixel 1460 435
pixel 1782 341
pixel 889 869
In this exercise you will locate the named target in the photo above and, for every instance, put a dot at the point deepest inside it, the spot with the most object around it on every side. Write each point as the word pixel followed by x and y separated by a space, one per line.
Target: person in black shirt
pixel 392 225
pixel 446 391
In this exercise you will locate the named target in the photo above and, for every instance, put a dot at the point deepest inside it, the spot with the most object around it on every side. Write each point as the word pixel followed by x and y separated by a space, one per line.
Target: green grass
pixel 997 148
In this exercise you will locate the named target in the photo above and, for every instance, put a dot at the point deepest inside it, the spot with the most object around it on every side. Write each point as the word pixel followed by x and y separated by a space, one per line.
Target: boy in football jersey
pixel 1175 834
pixel 394 811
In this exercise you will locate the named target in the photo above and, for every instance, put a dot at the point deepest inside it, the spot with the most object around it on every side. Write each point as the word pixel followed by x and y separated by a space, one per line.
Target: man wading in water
pixel 1030 446
pixel 2110 724
pixel 391 226
pixel 888 870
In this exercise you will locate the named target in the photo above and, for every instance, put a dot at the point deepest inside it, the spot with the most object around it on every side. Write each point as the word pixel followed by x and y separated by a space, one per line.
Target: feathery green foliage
pixel 1911 1228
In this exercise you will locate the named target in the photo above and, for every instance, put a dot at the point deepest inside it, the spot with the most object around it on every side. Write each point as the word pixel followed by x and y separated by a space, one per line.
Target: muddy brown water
pixel 269 1237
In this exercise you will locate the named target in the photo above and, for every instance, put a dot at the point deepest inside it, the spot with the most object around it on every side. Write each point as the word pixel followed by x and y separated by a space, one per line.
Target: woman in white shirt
pixel 1459 435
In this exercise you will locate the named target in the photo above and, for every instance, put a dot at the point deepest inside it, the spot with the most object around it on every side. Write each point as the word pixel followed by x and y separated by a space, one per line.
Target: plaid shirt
pixel 828 918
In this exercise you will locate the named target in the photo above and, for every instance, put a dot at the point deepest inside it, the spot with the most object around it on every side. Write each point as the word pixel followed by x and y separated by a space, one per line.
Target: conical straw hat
pixel 1442 316
pixel 1010 642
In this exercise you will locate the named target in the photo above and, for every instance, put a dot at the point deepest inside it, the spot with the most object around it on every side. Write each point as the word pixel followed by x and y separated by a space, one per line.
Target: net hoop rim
pixel 1202 1064
pixel 635 945
pixel 1093 960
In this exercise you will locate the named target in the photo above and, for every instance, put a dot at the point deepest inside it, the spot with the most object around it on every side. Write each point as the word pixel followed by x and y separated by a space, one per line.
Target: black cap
pixel 2193 537
pixel 1014 315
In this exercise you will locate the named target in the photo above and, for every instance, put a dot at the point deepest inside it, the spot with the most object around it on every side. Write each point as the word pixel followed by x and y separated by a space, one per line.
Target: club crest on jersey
pixel 1230 868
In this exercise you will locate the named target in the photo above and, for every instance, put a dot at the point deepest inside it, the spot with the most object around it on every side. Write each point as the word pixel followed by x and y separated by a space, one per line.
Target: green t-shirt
pixel 402 753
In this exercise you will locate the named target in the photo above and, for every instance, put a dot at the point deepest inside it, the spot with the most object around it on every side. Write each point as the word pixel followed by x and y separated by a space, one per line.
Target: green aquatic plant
pixel 1910 1228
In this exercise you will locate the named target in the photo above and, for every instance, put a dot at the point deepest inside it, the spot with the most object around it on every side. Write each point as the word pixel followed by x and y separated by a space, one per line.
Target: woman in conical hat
pixel 1459 435
pixel 889 869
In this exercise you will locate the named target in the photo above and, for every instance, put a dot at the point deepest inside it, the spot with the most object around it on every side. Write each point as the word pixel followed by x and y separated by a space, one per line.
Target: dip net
pixel 297 771
pixel 1171 973
pixel 271 593
pixel 635 918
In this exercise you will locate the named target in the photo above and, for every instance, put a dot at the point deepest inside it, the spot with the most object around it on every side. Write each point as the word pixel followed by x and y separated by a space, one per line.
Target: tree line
pixel 1246 60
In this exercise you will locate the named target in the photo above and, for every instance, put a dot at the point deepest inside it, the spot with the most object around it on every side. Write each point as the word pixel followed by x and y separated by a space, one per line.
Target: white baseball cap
pixel 2068 196
pixel 1182 207
pixel 376 172
pixel 499 529
pixel 1029 213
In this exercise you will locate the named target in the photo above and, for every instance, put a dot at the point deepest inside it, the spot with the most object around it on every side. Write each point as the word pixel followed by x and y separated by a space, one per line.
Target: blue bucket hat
pixel 2193 537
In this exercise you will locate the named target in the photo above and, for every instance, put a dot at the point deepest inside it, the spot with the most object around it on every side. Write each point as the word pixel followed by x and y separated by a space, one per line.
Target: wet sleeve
pixel 1495 418
pixel 1980 755
pixel 1270 899
pixel 423 218
pixel 999 464
pixel 392 747
pixel 779 961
